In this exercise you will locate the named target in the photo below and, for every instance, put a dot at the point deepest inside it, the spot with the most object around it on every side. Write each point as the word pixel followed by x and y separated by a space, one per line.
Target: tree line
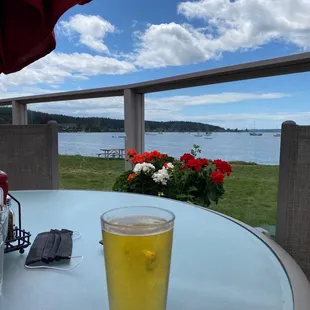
pixel 104 124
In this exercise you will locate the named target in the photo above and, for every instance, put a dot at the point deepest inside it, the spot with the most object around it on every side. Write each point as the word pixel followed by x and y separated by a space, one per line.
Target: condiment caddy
pixel 17 238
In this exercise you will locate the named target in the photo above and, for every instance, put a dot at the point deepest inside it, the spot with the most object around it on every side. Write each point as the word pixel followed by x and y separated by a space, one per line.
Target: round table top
pixel 216 263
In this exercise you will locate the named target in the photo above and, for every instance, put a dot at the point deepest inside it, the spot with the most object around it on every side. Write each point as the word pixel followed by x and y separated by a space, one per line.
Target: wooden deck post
pixel 19 113
pixel 134 122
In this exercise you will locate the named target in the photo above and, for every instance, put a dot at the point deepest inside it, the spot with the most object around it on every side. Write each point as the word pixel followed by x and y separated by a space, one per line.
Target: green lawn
pixel 251 191
pixel 78 172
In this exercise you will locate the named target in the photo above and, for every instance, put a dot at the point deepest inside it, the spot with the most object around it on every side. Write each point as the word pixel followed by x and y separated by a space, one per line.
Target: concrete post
pixel 52 145
pixel 134 122
pixel 19 113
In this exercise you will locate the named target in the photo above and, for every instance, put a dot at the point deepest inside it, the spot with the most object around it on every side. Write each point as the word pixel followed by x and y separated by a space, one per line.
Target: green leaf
pixel 192 189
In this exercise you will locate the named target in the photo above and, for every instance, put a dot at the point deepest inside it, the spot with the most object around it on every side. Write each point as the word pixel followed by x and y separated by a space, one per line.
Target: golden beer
pixel 137 250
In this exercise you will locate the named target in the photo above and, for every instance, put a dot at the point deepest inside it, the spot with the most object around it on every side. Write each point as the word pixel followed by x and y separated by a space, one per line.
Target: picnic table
pixel 112 153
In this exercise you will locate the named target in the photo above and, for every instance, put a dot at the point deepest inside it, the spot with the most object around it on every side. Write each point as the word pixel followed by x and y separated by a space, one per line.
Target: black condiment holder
pixel 21 238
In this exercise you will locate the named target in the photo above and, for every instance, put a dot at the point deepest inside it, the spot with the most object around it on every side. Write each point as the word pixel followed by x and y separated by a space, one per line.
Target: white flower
pixel 168 166
pixel 144 167
pixel 161 176
pixel 137 168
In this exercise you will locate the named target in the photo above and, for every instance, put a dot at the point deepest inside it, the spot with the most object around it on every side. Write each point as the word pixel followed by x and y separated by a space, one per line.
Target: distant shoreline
pixel 190 132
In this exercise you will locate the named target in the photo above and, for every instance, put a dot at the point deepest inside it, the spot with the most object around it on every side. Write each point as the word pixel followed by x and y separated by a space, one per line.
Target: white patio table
pixel 217 262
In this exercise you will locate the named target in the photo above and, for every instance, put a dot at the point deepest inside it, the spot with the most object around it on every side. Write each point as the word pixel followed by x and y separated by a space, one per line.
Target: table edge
pixel 298 281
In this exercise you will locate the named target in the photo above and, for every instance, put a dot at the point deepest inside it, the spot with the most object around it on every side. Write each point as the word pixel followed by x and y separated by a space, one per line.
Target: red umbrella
pixel 26 30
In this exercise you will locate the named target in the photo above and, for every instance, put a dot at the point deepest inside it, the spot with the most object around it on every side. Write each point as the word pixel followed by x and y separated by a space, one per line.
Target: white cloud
pixel 248 23
pixel 164 108
pixel 277 116
pixel 229 26
pixel 248 120
pixel 86 64
pixel 91 30
pixel 220 98
pixel 56 67
pixel 170 45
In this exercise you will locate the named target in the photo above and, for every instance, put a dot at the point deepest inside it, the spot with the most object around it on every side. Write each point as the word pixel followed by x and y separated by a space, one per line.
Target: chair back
pixel 29 155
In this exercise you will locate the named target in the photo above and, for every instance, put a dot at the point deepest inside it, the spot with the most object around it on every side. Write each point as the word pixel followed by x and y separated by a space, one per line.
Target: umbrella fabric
pixel 26 30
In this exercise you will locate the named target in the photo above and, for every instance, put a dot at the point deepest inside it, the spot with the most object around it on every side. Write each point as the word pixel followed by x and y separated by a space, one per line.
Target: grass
pixel 251 194
pixel 78 172
pixel 251 191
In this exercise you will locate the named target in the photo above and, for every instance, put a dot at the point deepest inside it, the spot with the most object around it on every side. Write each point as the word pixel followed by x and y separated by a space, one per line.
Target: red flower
pixel 144 157
pixel 131 153
pixel 193 164
pixel 186 157
pixel 217 177
pixel 147 157
pixel 166 165
pixel 137 159
pixel 131 176
pixel 203 162
pixel 196 164
pixel 222 166
pixel 156 154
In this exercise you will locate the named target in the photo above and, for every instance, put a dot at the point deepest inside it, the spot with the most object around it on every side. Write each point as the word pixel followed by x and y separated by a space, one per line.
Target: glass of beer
pixel 137 250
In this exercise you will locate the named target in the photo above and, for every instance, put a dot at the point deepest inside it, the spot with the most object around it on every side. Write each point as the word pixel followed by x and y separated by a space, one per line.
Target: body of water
pixel 263 149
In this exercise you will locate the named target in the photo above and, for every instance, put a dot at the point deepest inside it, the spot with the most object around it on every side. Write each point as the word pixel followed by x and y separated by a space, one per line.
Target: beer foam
pixel 138 225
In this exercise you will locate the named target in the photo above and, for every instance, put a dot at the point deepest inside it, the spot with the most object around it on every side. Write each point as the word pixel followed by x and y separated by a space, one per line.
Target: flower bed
pixel 191 178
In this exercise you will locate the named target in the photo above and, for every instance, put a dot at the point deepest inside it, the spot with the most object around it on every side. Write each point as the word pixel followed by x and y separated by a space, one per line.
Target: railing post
pixel 19 113
pixel 52 145
pixel 288 159
pixel 134 122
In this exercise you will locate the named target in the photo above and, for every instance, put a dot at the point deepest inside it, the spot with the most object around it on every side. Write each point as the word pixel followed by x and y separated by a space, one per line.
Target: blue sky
pixel 116 42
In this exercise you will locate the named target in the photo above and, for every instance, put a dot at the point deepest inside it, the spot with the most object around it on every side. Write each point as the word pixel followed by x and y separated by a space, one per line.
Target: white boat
pixel 198 135
pixel 208 132
pixel 277 135
pixel 254 133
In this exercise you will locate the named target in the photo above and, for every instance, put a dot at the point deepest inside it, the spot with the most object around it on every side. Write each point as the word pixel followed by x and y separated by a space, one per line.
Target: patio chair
pixel 293 212
pixel 29 155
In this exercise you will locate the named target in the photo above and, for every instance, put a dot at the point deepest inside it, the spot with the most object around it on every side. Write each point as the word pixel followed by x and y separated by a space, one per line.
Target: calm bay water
pixel 263 149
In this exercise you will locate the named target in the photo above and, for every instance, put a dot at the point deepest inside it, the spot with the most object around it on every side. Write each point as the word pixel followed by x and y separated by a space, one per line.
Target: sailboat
pixel 278 134
pixel 208 133
pixel 255 133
